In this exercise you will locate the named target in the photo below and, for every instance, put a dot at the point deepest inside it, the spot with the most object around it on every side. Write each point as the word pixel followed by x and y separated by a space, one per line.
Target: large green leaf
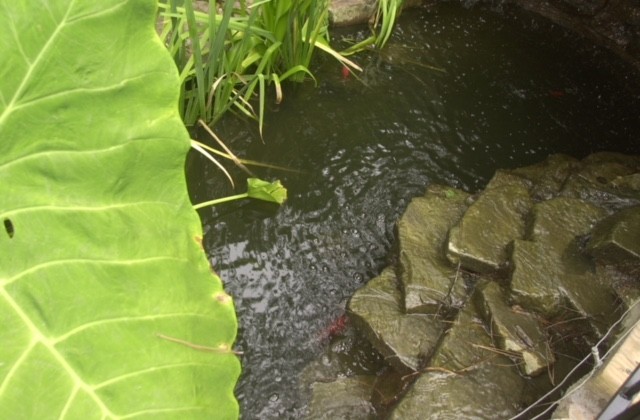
pixel 108 307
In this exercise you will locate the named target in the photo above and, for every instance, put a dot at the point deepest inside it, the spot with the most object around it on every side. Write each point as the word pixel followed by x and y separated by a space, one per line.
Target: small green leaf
pixel 273 192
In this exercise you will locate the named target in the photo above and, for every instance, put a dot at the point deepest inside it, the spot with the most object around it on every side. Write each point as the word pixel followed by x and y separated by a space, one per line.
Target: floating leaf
pixel 273 192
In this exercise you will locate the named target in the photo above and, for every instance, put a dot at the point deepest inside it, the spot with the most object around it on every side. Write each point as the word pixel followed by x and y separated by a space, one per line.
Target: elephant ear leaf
pixel 108 307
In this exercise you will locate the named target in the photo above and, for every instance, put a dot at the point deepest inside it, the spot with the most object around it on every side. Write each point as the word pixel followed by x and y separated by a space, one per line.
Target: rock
pixel 515 331
pixel 466 379
pixel 623 281
pixel 466 344
pixel 405 340
pixel 598 179
pixel 390 386
pixel 535 278
pixel 630 183
pixel 559 262
pixel 549 176
pixel 351 12
pixel 491 391
pixel 613 24
pixel 479 242
pixel 558 222
pixel 345 398
pixel 428 280
pixel 590 297
pixel 347 355
pixel 616 239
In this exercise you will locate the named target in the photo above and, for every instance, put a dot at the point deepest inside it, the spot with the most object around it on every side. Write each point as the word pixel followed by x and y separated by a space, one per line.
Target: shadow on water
pixel 515 89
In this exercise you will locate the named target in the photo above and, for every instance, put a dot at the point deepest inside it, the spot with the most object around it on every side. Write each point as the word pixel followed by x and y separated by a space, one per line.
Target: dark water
pixel 515 90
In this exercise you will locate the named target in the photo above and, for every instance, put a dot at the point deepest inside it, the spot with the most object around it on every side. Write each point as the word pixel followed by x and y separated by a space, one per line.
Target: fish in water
pixel 556 93
pixel 345 72
pixel 337 327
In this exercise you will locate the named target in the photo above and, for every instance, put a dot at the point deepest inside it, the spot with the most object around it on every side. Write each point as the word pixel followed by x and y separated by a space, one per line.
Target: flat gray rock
pixel 479 242
pixel 515 331
pixel 466 344
pixel 405 340
pixel 351 12
pixel 466 377
pixel 557 222
pixel 344 398
pixel 549 176
pixel 600 178
pixel 535 278
pixel 558 262
pixel 616 239
pixel 428 280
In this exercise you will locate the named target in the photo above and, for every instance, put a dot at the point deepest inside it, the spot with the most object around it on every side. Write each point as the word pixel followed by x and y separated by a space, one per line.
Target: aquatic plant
pixel 381 26
pixel 109 308
pixel 258 189
pixel 227 57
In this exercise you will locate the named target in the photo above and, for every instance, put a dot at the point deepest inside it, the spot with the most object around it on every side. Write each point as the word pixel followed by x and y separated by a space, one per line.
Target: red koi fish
pixel 345 72
pixel 556 93
pixel 337 327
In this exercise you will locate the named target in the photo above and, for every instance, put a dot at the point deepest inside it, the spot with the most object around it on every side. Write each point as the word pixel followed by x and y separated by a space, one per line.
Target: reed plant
pixel 381 27
pixel 228 56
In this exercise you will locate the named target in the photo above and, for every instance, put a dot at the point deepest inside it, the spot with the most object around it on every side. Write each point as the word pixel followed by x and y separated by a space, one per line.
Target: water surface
pixel 514 90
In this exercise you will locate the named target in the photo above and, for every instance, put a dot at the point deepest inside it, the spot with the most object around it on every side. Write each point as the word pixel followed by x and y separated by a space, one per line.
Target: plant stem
pixel 221 200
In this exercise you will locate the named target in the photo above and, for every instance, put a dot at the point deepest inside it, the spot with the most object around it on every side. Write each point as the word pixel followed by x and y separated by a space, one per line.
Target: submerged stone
pixel 479 242
pixel 405 340
pixel 428 280
pixel 598 181
pixel 616 239
pixel 515 331
pixel 549 176
pixel 344 398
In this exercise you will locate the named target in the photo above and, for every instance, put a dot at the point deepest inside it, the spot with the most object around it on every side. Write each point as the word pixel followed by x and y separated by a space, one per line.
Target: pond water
pixel 514 89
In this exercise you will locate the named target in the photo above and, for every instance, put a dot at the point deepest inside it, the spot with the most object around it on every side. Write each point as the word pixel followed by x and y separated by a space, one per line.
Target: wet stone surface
pixel 515 330
pixel 617 238
pixel 479 242
pixel 549 247
pixel 405 340
pixel 428 280
pixel 345 398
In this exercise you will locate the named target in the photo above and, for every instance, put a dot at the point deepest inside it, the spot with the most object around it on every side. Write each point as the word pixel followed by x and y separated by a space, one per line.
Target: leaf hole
pixel 8 227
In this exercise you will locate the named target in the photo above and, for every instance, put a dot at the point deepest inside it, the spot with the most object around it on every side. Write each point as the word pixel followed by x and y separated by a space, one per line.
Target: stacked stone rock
pixel 464 312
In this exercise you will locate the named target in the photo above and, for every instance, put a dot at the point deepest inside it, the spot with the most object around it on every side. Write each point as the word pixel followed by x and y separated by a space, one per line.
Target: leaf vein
pixel 142 372
pixel 16 366
pixel 27 77
pixel 123 319
pixel 63 262
pixel 42 339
